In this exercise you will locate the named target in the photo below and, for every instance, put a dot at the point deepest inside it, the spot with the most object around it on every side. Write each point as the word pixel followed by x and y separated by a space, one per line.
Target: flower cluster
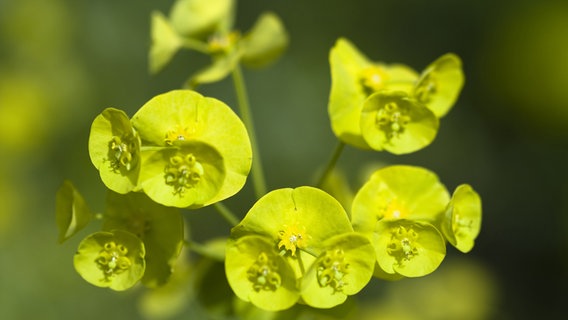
pixel 389 107
pixel 182 150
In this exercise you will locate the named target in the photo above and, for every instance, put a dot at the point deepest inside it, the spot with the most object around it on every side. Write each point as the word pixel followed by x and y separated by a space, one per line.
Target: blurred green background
pixel 63 61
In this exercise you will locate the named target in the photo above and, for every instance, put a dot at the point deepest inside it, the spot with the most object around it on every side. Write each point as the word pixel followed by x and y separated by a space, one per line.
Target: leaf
pixel 71 211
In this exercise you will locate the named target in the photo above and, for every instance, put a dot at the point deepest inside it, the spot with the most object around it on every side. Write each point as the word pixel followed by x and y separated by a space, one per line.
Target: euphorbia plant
pixel 182 151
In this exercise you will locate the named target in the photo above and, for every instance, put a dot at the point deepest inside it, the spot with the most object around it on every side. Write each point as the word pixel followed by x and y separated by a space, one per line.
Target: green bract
pixel 462 221
pixel 265 42
pixel 342 269
pixel 198 149
pixel 440 84
pixel 71 211
pixel 355 77
pixel 165 42
pixel 200 18
pixel 399 192
pixel 257 273
pixel 111 259
pixel 395 122
pixel 408 248
pixel 114 148
pixel 159 227
pixel 309 233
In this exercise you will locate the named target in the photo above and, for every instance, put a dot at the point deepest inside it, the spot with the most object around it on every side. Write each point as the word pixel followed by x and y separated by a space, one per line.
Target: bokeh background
pixel 63 61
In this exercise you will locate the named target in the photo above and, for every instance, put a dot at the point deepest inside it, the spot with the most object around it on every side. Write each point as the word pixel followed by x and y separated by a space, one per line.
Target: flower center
pixel 223 43
pixel 425 89
pixel 112 259
pixel 123 152
pixel 374 78
pixel 177 135
pixel 402 245
pixel 332 270
pixel 183 172
pixel 292 237
pixel 394 210
pixel 263 274
pixel 392 119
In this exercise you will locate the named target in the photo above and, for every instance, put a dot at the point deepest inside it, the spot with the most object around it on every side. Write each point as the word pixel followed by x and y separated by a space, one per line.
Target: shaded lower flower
pixel 112 259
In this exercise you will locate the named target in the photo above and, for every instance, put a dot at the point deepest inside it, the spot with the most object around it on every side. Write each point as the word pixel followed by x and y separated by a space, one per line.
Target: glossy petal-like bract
pixel 399 192
pixel 111 259
pixel 342 269
pixel 158 226
pixel 71 211
pixel 114 148
pixel 462 221
pixel 165 42
pixel 257 273
pixel 199 18
pixel 408 248
pixel 265 42
pixel 353 78
pixel 202 152
pixel 395 122
pixel 440 84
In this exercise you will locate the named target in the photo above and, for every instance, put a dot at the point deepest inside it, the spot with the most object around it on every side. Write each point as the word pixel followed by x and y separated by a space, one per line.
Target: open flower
pixel 112 259
pixel 198 150
pixel 462 220
pixel 114 148
pixel 306 231
pixel 160 228
pixel 354 77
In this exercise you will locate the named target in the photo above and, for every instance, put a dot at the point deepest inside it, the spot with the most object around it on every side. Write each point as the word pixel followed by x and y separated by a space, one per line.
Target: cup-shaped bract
pixel 399 192
pixel 114 148
pixel 353 78
pixel 165 42
pixel 71 211
pixel 257 273
pixel 202 152
pixel 158 226
pixel 200 18
pixel 295 219
pixel 408 248
pixel 265 42
pixel 393 121
pixel 462 221
pixel 440 84
pixel 112 259
pixel 342 269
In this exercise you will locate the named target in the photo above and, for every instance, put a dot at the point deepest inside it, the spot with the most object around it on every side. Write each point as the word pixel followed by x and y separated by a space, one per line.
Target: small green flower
pixel 159 227
pixel 399 192
pixel 114 148
pixel 408 248
pixel 265 42
pixel 395 122
pixel 462 221
pixel 165 42
pixel 354 79
pixel 343 269
pixel 201 150
pixel 440 84
pixel 71 211
pixel 257 273
pixel 111 259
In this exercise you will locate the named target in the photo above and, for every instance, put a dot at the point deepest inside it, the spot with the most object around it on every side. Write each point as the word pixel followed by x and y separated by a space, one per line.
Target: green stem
pixel 226 213
pixel 242 97
pixel 331 164
pixel 195 45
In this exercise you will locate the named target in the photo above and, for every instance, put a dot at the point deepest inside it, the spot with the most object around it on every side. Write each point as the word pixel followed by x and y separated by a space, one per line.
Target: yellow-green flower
pixel 197 149
pixel 111 259
pixel 462 220
pixel 354 77
pixel 305 233
pixel 114 148
pixel 160 228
